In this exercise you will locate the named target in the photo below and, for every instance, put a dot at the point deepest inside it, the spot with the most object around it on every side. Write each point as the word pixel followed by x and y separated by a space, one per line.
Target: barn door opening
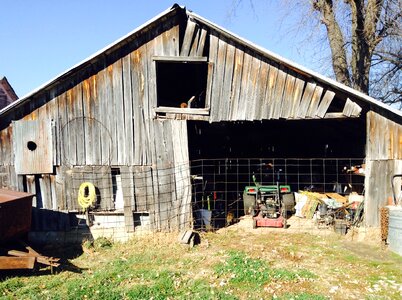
pixel 315 155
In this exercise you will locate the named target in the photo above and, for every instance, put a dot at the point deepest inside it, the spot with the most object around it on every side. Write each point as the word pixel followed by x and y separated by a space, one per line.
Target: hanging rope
pixel 86 195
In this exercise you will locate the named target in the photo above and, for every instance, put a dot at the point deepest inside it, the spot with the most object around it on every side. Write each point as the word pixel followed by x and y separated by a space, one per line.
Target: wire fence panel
pixel 204 194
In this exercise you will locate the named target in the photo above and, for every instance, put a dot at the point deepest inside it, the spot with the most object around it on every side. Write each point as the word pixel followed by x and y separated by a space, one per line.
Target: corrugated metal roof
pixel 273 56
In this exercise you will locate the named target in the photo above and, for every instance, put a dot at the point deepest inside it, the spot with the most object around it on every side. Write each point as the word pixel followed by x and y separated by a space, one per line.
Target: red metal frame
pixel 267 222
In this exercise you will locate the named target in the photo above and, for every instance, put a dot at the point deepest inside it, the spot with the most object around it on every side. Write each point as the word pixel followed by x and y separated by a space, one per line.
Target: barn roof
pixel 222 31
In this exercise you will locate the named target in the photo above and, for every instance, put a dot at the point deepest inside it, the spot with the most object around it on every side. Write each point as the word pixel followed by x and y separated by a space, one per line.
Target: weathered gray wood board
pixel 378 187
pixel 383 160
pixel 245 86
pixel 384 138
pixel 33 146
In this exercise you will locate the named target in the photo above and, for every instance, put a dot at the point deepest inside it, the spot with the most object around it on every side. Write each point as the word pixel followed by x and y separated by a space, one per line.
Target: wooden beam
pixel 178 110
pixel 351 109
pixel 188 37
pixel 182 59
pixel 336 115
pixel 325 103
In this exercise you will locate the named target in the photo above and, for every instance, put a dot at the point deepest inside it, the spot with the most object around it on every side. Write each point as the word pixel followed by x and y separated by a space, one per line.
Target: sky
pixel 41 39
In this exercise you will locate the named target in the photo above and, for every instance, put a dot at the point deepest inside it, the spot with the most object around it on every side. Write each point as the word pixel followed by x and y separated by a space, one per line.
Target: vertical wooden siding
pixel 245 86
pixel 383 160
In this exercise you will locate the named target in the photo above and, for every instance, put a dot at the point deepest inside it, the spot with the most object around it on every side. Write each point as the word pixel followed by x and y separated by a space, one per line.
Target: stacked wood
pixel 311 205
pixel 384 221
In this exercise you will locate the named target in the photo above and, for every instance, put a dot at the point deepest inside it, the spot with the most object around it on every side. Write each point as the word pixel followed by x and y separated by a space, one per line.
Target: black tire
pixel 254 223
pixel 248 202
pixel 288 202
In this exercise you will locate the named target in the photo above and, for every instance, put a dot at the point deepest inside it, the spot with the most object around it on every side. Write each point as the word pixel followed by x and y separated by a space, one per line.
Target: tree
pixel 365 41
pixel 372 38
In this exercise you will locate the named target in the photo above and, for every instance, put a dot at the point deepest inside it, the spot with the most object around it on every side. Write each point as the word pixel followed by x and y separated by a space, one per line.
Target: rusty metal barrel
pixel 395 229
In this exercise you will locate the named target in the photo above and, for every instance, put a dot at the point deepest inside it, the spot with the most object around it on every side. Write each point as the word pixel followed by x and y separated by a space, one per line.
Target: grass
pixel 226 265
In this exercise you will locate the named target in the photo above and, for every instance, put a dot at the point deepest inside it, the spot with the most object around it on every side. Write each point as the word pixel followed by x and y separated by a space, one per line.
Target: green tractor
pixel 269 205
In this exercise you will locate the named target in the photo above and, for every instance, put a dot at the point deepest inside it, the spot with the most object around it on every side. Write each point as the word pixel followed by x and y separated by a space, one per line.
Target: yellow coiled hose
pixel 86 195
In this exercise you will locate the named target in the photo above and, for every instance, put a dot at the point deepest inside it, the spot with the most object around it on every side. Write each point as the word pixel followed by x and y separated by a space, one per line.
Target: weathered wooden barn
pixel 132 117
pixel 7 94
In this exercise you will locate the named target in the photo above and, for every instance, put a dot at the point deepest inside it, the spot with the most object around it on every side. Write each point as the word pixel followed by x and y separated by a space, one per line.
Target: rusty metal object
pixel 27 259
pixel 15 214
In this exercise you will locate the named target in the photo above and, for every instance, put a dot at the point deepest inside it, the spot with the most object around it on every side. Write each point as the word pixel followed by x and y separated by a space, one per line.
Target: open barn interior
pixel 315 155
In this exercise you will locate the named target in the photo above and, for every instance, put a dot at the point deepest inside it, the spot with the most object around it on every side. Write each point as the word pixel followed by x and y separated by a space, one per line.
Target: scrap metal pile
pixel 330 209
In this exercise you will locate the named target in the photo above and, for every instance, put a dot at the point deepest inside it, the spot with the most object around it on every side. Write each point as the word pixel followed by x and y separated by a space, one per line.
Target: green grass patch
pixel 301 296
pixel 244 271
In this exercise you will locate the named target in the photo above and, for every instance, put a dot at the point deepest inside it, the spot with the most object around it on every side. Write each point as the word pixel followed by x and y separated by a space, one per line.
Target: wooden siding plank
pixel 150 124
pixel 261 90
pixel 225 106
pixel 297 96
pixel 88 126
pixel 112 113
pixel 347 110
pixel 105 138
pixel 216 78
pixel 78 125
pixel 60 188
pixel 223 101
pixel 315 99
pixel 71 137
pixel 128 111
pixel 171 197
pixel 127 183
pixel 287 97
pixel 188 38
pixel 193 50
pixel 140 93
pixel 143 186
pixel 182 182
pixel 236 83
pixel 325 103
pixel 278 94
pixel 253 88
pixel 244 87
pixel 306 99
pixel 119 113
pixel 201 43
pixel 269 93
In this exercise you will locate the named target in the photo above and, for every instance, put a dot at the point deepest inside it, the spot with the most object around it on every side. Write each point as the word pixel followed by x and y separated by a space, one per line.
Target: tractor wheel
pixel 284 217
pixel 254 223
pixel 248 203
pixel 288 202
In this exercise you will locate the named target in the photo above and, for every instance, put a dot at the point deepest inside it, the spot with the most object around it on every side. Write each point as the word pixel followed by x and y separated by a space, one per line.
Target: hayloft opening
pixel 181 84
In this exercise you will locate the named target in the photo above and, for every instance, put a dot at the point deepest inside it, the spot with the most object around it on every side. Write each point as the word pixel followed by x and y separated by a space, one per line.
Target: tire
pixel 288 202
pixel 254 223
pixel 248 203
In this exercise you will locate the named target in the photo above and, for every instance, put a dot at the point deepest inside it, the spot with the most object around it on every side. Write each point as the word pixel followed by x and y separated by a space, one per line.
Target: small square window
pixel 181 84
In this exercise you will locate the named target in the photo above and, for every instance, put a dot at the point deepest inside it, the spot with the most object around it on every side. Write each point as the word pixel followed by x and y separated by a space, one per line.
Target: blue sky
pixel 41 39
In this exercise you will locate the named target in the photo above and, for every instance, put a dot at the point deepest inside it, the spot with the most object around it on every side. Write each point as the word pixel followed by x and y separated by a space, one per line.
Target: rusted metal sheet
pixel 15 214
pixel 33 147
pixel 12 263
pixel 26 259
